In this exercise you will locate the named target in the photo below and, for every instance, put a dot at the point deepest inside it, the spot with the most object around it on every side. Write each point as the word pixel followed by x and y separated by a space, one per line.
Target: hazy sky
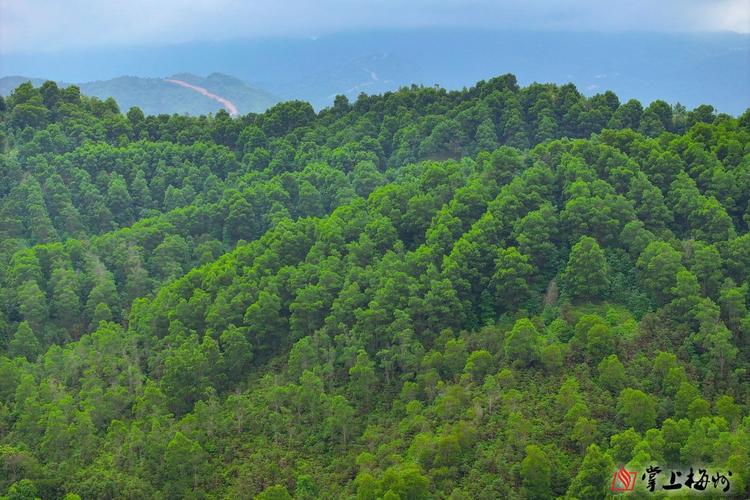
pixel 32 25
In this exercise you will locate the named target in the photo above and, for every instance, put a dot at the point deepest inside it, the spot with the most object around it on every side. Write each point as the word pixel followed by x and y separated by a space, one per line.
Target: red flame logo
pixel 623 480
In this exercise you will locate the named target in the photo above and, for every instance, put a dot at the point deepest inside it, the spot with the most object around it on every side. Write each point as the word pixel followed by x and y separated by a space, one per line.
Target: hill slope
pixel 499 292
pixel 157 95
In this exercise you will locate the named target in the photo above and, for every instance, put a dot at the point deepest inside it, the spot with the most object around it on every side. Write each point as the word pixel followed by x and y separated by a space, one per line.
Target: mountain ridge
pixel 158 96
pixel 678 67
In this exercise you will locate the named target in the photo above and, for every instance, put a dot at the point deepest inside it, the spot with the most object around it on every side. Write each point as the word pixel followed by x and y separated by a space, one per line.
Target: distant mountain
pixel 167 95
pixel 369 74
pixel 688 68
pixel 9 83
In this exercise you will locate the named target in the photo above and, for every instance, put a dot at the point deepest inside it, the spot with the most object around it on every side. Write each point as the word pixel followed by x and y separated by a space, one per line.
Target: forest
pixel 495 292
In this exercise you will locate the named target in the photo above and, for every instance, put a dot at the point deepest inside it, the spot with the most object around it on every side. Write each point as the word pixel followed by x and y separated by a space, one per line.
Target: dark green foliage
pixel 381 300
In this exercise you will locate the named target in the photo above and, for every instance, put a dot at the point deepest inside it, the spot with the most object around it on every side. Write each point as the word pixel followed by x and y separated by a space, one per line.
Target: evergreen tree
pixel 25 343
pixel 586 276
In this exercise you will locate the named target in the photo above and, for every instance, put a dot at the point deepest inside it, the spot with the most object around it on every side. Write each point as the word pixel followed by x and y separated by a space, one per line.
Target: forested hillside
pixel 500 292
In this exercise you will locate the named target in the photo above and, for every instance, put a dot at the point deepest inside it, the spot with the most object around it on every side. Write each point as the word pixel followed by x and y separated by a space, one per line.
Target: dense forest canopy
pixel 499 292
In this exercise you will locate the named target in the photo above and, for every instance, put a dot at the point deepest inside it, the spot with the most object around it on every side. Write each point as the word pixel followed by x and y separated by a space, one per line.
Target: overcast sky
pixel 33 25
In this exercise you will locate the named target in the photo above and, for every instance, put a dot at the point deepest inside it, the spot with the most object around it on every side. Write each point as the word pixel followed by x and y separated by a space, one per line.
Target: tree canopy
pixel 498 292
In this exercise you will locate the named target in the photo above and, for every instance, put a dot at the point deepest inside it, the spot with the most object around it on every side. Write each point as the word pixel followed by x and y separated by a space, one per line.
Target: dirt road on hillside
pixel 229 105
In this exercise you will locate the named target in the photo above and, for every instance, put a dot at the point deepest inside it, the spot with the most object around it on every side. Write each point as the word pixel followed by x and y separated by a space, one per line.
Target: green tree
pixel 362 378
pixel 486 136
pixel 536 473
pixel 479 364
pixel 511 279
pixel 104 292
pixel 302 357
pixel 627 116
pixel 600 342
pixel 339 420
pixel 237 352
pixel 182 460
pixel 39 223
pixel 658 266
pixel 612 374
pixel 594 476
pixel 622 446
pixel 65 306
pixel 32 302
pixel 186 375
pixel 22 490
pixel 521 344
pixel 650 124
pixel 586 275
pixel 584 432
pixel 275 492
pixel 636 409
pixel 25 343
pixel 119 200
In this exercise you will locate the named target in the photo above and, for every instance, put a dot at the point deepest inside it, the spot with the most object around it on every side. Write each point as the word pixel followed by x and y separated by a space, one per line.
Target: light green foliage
pixel 383 299
pixel 612 374
pixel 182 460
pixel 479 364
pixel 237 352
pixel 362 378
pixel 536 473
pixel 22 490
pixel 594 475
pixel 658 267
pixel 522 343
pixel 397 482
pixel 552 356
pixel 636 409
pixel 600 341
pixel 276 492
pixel 511 279
pixel 586 275
pixel 622 446
pixel 24 343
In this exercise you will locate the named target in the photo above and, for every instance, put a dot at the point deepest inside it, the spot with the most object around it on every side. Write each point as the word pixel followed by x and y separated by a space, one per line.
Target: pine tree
pixel 25 343
pixel 586 275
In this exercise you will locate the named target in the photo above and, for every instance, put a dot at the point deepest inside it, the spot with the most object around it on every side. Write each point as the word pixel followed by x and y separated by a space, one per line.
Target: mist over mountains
pixel 686 68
